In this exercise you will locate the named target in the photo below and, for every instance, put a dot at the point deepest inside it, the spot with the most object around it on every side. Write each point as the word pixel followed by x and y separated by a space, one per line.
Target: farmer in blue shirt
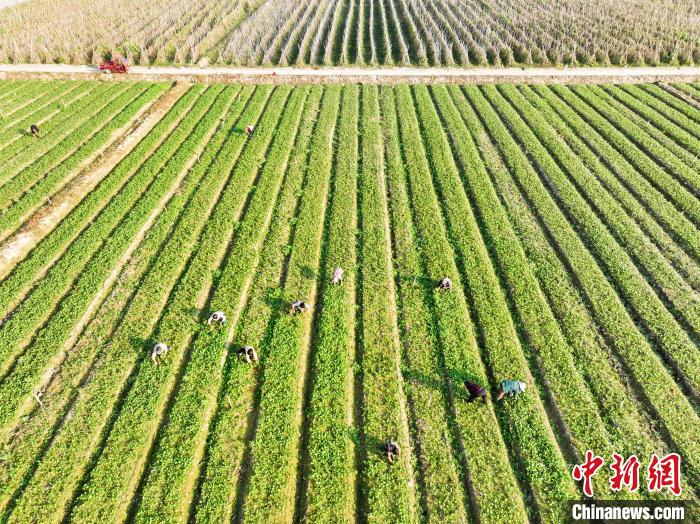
pixel 511 387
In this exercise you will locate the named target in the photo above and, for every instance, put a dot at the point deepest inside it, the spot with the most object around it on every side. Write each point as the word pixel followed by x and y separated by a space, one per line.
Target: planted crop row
pixel 626 426
pixel 57 178
pixel 34 112
pixel 94 128
pixel 82 269
pixel 169 482
pixel 573 263
pixel 28 152
pixel 141 408
pixel 486 454
pixel 7 88
pixel 62 112
pixel 631 284
pixel 669 106
pixel 147 399
pixel 501 348
pixel 633 143
pixel 26 179
pixel 220 498
pixel 14 286
pixel 392 491
pixel 650 210
pixel 673 97
pixel 681 144
pixel 643 174
pixel 440 459
pixel 59 392
pixel 275 439
pixel 327 447
pixel 40 326
pixel 18 130
pixel 29 93
pixel 62 467
pixel 672 408
pixel 549 353
pixel 67 319
pixel 689 89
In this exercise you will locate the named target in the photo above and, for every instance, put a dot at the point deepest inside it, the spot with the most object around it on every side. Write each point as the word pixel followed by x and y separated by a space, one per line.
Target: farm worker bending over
pixel 511 387
pixel 34 130
pixel 475 391
pixel 248 353
pixel 298 307
pixel 445 284
pixel 337 277
pixel 217 317
pixel 249 130
pixel 159 351
pixel 392 451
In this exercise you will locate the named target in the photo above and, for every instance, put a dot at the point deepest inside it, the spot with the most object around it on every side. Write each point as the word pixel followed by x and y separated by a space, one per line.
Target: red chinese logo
pixel 661 473
pixel 626 473
pixel 665 473
pixel 586 471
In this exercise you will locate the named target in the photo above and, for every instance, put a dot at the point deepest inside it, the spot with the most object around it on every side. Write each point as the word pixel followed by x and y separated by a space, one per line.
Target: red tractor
pixel 114 66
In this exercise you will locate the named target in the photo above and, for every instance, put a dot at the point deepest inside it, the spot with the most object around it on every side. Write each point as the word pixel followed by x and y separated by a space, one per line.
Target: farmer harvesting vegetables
pixel 445 284
pixel 337 277
pixel 217 317
pixel 298 307
pixel 475 391
pixel 159 351
pixel 248 353
pixel 249 130
pixel 511 387
pixel 392 451
pixel 34 130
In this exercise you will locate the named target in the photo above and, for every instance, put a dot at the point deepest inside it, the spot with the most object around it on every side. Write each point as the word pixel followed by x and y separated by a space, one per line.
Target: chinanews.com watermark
pixel 628 511
pixel 662 475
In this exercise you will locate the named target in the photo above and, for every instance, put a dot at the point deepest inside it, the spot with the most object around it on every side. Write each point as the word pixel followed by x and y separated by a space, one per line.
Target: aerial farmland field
pixel 361 32
pixel 566 217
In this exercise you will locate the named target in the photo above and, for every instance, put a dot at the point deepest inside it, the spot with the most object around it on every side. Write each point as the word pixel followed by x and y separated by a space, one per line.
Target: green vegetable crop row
pixel 489 468
pixel 169 482
pixel 62 316
pixel 644 204
pixel 626 427
pixel 39 156
pixel 226 445
pixel 61 468
pixel 655 383
pixel 141 409
pixel 631 285
pixel 273 447
pixel 591 109
pixel 329 495
pixel 33 186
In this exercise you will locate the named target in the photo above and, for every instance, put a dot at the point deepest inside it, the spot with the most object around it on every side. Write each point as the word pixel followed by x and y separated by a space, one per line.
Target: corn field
pixel 360 32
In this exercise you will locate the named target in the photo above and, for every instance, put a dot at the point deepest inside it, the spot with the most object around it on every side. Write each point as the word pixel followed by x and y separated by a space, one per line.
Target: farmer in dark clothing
pixel 475 391
pixel 445 284
pixel 248 353
pixel 298 306
pixel 392 451
pixel 510 387
pixel 34 130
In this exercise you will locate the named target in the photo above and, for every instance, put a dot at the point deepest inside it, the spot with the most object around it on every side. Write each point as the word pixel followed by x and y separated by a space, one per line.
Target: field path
pixel 57 206
pixel 374 75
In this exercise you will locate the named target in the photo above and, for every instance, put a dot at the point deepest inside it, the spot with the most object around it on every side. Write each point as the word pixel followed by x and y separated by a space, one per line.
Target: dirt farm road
pixel 388 75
